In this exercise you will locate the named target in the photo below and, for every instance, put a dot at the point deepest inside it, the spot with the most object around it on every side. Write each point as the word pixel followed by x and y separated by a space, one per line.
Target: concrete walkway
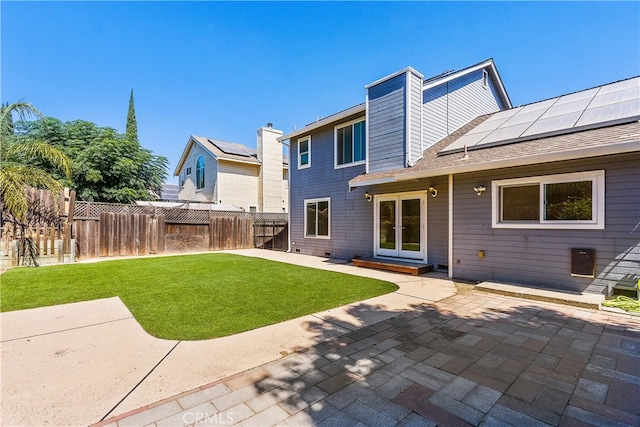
pixel 419 356
pixel 91 360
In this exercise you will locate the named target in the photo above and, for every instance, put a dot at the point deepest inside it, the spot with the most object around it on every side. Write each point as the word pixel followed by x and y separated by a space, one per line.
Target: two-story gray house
pixel 445 171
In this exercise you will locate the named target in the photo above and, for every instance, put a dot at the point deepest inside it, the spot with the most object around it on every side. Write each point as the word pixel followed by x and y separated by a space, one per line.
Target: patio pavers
pixel 473 359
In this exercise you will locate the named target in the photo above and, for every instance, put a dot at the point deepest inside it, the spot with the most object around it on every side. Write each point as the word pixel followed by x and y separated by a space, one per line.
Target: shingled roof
pixel 587 143
pixel 593 122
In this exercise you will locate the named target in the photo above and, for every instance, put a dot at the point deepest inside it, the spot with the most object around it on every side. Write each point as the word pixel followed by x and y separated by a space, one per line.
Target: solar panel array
pixel 610 104
pixel 233 148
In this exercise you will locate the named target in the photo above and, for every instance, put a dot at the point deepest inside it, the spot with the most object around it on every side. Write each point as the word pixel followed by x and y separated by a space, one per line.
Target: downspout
pixel 450 272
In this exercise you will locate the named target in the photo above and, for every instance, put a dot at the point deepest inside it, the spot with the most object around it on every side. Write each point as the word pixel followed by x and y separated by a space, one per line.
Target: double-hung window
pixel 574 200
pixel 304 152
pixel 316 218
pixel 350 143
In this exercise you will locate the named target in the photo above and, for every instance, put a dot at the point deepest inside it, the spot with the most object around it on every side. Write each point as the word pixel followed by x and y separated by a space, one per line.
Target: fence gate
pixel 271 233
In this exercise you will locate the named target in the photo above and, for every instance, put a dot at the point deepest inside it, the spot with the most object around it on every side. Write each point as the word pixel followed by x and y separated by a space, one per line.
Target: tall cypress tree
pixel 131 131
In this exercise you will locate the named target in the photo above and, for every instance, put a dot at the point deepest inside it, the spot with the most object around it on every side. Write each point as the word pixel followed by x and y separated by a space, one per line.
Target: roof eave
pixel 324 122
pixel 578 153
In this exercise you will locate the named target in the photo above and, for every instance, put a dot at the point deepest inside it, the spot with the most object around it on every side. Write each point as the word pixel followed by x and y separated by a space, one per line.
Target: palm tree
pixel 16 155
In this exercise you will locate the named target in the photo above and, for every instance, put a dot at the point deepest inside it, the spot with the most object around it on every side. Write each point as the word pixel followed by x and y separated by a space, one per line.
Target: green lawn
pixel 191 297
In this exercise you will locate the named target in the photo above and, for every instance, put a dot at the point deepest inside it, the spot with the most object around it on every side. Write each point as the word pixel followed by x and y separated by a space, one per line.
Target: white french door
pixel 400 225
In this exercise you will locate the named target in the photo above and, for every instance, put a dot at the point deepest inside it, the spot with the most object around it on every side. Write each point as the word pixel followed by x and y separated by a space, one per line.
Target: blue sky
pixel 223 69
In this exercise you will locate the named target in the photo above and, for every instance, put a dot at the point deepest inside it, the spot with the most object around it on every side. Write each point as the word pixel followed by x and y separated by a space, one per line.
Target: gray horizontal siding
pixel 351 215
pixel 453 104
pixel 415 121
pixel 386 125
pixel 542 257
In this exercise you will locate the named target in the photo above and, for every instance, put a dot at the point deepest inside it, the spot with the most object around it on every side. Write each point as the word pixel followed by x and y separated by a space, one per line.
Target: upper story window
pixel 188 170
pixel 304 152
pixel 350 143
pixel 485 79
pixel 566 201
pixel 181 179
pixel 200 173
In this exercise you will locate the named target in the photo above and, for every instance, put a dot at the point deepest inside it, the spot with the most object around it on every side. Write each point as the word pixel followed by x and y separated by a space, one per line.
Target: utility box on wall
pixel 583 262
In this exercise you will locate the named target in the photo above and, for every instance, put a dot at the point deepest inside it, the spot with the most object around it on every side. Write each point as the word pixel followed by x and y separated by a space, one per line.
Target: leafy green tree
pixel 107 166
pixel 21 160
pixel 131 130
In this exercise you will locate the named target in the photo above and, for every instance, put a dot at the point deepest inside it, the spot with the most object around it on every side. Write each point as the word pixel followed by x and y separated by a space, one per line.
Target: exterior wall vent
pixel 583 262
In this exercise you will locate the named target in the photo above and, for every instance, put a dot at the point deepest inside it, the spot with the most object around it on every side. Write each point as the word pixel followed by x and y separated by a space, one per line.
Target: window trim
pixel 335 143
pixel 485 79
pixel 187 171
pixel 308 165
pixel 322 199
pixel 597 206
pixel 198 188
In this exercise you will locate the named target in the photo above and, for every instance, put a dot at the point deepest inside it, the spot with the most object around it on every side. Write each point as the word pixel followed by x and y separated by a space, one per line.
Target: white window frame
pixel 324 199
pixel 187 171
pixel 335 144
pixel 597 196
pixel 181 178
pixel 308 165
pixel 485 79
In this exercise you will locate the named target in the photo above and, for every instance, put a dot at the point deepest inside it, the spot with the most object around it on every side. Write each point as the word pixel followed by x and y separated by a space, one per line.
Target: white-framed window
pixel 188 171
pixel 253 209
pixel 304 152
pixel 181 179
pixel 317 218
pixel 200 173
pixel 566 201
pixel 485 79
pixel 349 143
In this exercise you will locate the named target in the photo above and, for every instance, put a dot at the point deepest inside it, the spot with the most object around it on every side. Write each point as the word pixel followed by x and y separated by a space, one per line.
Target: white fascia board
pixel 578 153
pixel 486 64
pixel 324 122
pixel 187 148
pixel 392 75
pixel 224 159
pixel 375 181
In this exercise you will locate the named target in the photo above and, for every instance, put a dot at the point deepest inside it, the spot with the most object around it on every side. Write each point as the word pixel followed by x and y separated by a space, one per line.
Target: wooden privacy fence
pixel 230 233
pixel 126 234
pixel 119 234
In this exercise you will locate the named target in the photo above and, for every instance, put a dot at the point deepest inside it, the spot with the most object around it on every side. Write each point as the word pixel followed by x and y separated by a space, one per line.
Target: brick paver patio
pixel 474 359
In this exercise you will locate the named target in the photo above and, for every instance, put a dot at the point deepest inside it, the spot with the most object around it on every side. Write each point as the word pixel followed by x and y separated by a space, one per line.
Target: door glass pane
pixel 521 203
pixel 568 201
pixel 411 225
pixel 388 224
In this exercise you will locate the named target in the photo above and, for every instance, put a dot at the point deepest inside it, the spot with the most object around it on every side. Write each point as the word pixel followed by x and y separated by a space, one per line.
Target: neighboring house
pixel 230 174
pixel 169 192
pixel 444 171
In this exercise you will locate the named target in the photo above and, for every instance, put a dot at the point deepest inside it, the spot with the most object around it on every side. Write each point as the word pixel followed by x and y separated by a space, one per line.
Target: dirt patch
pixel 464 288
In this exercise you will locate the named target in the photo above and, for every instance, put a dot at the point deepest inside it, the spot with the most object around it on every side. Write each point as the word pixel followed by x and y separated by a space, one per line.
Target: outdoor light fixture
pixel 433 191
pixel 480 189
pixel 368 196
